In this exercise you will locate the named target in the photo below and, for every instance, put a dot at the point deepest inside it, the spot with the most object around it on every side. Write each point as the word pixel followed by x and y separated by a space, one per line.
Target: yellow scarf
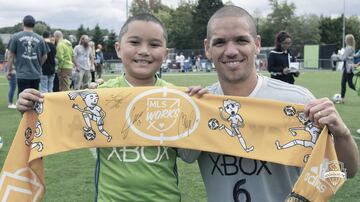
pixel 151 116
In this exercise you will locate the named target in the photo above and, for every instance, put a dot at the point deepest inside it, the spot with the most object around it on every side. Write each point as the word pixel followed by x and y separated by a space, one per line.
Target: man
pixel 48 68
pixel 99 60
pixel 82 60
pixel 182 62
pixel 64 56
pixel 232 44
pixel 28 51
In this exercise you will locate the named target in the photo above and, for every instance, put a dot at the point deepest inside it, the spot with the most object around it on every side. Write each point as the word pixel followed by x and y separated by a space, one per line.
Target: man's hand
pixel 323 112
pixel 197 90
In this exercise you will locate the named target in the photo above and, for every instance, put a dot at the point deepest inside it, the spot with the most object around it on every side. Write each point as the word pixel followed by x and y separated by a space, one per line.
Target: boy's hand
pixel 197 90
pixel 27 98
pixel 99 81
pixel 92 85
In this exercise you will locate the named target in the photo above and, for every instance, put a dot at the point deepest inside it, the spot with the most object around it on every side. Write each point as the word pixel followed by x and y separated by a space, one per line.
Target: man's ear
pixel 258 44
pixel 117 48
pixel 207 48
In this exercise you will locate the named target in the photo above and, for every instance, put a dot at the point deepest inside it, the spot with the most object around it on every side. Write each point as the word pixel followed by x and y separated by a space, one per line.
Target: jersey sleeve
pixel 188 155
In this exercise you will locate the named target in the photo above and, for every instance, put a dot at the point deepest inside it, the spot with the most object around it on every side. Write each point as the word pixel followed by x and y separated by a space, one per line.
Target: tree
pixel 280 18
pixel 12 30
pixel 98 35
pixel 180 27
pixel 201 15
pixel 40 27
pixel 166 18
pixel 80 31
pixel 110 42
pixel 352 26
pixel 304 31
pixel 2 47
pixel 150 6
pixel 155 5
pixel 139 6
pixel 331 30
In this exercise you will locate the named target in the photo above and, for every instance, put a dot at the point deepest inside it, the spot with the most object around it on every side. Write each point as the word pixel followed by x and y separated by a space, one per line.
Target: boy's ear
pixel 117 48
pixel 166 53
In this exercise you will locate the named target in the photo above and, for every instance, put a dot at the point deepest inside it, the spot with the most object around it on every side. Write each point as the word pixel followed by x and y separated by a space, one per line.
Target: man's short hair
pixel 142 17
pixel 232 11
pixel 29 21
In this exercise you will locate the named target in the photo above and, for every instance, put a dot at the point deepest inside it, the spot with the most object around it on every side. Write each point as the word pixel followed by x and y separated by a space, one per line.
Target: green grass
pixel 70 174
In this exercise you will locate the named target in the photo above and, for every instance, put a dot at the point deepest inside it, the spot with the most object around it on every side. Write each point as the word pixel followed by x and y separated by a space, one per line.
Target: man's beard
pixel 86 45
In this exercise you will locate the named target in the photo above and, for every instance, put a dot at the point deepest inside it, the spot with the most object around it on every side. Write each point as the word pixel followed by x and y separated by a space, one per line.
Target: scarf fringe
pixel 294 197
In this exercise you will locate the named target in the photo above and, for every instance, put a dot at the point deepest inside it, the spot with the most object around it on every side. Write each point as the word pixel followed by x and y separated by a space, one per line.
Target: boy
pixel 134 173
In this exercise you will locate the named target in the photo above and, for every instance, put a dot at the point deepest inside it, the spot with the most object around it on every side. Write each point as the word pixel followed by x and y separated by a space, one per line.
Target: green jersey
pixel 136 173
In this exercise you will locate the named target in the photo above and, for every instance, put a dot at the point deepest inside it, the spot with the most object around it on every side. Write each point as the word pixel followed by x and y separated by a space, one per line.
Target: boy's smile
pixel 142 50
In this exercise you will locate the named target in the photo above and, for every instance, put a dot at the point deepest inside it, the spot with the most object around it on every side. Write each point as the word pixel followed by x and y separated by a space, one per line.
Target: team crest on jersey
pixel 230 112
pixel 167 115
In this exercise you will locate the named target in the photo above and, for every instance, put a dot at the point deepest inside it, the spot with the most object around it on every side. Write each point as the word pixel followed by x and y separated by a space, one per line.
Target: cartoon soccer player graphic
pixel 92 112
pixel 231 108
pixel 308 127
pixel 38 107
pixel 29 137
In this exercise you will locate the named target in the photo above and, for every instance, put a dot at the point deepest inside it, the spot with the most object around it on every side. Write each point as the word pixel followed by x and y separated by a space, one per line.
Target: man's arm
pixel 43 58
pixel 10 62
pixel 74 58
pixel 323 112
pixel 347 152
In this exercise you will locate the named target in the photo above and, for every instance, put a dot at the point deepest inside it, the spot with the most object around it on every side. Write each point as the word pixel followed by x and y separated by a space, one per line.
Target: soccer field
pixel 69 176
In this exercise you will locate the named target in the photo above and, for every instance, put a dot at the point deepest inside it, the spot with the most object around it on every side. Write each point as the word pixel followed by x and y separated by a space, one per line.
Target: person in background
pixel 348 57
pixel 64 56
pixel 99 61
pixel 182 62
pixel 82 60
pixel 280 58
pixel 48 68
pixel 92 62
pixel 11 76
pixel 56 77
pixel 28 52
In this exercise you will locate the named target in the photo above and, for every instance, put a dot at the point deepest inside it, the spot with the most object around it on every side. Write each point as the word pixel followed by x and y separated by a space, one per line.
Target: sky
pixel 111 14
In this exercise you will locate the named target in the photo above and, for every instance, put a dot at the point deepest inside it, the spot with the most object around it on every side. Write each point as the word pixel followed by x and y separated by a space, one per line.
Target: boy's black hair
pixel 147 17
